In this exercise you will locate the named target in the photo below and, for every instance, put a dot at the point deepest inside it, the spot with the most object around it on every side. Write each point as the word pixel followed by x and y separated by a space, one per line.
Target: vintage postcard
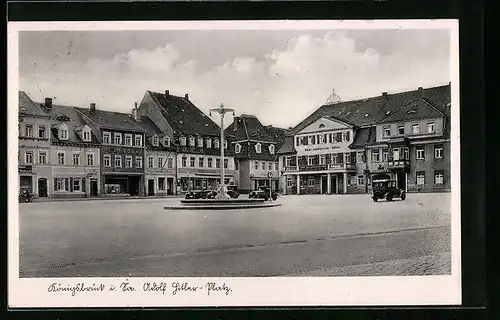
pixel 233 163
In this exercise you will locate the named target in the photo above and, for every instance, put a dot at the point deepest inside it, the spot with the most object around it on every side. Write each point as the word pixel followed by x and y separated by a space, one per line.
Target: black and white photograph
pixel 232 163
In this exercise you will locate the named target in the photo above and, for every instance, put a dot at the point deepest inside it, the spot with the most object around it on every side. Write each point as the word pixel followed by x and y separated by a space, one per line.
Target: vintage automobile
pixel 203 194
pixel 263 193
pixel 233 192
pixel 25 195
pixel 386 189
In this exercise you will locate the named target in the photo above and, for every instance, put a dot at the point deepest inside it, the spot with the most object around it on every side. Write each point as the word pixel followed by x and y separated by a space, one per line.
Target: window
pixel 128 139
pixel 375 156
pixel 191 162
pixel 166 141
pixel 155 140
pixel 263 165
pixel 256 165
pixel 339 137
pixel 86 135
pixel 150 162
pixel 90 159
pixel 311 182
pixel 76 184
pixel 106 137
pixel 352 180
pixel 225 144
pixel 209 143
pixel 201 162
pixel 360 157
pixel 28 157
pixel 184 162
pixel 258 148
pixel 347 157
pixel 63 134
pixel 270 166
pixel 226 163
pixel 438 152
pixel 420 177
pixel 60 157
pixel 160 162
pixel 276 166
pixel 191 141
pixel 407 153
pixel 401 129
pixel 289 182
pixel 138 162
pixel 395 154
pixel 41 131
pixel 297 141
pixel 76 159
pixel 161 184
pixel 430 127
pixel 200 142
pixel 107 160
pixel 216 144
pixel 118 161
pixel 118 138
pixel 387 131
pixel 438 177
pixel 138 140
pixel 271 149
pixel 334 158
pixel 237 148
pixel 60 184
pixel 361 180
pixel 322 159
pixel 385 155
pixel 42 157
pixel 209 162
pixel 182 141
pixel 170 163
pixel 28 130
pixel 420 153
pixel 415 128
pixel 128 161
pixel 217 163
pixel 288 161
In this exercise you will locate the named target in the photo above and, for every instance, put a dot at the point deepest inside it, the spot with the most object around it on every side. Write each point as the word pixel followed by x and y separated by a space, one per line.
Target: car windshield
pixel 379 184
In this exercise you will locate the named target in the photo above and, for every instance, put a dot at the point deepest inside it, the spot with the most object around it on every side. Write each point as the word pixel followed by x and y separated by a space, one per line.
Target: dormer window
pixel 321 126
pixel 216 143
pixel 271 149
pixel 106 137
pixel 209 143
pixel 182 141
pixel 200 142
pixel 63 132
pixel 155 140
pixel 191 141
pixel 166 141
pixel 237 148
pixel 86 135
pixel 258 148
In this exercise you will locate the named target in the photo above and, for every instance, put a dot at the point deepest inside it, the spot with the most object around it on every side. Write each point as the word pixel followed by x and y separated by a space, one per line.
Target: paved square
pixel 309 235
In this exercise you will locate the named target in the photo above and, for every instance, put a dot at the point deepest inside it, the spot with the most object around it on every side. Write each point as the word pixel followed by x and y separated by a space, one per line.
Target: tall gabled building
pixel 196 136
pixel 255 147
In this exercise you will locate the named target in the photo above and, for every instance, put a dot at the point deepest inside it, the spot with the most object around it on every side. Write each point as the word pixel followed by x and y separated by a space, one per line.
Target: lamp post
pixel 222 111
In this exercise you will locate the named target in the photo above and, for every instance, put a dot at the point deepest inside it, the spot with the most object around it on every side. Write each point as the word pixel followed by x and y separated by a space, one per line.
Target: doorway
pixel 42 187
pixel 151 187
pixel 170 186
pixel 401 180
pixel 324 184
pixel 334 185
pixel 93 188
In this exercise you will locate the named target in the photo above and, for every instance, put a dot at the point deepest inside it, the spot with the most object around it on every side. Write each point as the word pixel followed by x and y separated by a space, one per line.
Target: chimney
pixel 384 94
pixel 92 108
pixel 135 112
pixel 48 103
pixel 186 96
pixel 167 93
pixel 420 91
pixel 236 122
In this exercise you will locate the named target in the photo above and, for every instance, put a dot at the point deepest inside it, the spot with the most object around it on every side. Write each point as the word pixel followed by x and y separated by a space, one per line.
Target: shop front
pixel 160 185
pixel 122 184
pixel 200 182
pixel 26 178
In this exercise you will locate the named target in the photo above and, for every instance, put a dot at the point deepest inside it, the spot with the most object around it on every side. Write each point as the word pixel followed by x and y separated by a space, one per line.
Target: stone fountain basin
pixel 220 204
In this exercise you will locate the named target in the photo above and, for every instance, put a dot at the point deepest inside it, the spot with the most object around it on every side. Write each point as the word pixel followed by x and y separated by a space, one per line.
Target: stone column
pixel 298 183
pixel 329 183
pixel 345 182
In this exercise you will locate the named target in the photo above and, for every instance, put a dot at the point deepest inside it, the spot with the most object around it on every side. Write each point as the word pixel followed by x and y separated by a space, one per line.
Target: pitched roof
pixel 74 121
pixel 248 152
pixel 150 130
pixel 183 116
pixel 278 135
pixel 248 127
pixel 287 146
pixel 112 120
pixel 372 110
pixel 363 137
pixel 28 107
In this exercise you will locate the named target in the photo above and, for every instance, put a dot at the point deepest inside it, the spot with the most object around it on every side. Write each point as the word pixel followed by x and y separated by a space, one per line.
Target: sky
pixel 281 76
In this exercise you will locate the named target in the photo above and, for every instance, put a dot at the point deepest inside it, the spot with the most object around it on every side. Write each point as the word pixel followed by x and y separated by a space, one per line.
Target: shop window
pixel 289 181
pixel 311 182
pixel 77 185
pixel 361 180
pixel 161 184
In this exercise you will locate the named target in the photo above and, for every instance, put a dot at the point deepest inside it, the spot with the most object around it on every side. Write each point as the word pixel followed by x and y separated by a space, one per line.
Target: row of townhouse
pixel 165 146
pixel 342 147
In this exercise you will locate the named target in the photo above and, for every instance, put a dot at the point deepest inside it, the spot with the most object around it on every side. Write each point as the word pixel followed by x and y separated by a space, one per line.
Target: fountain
pixel 222 200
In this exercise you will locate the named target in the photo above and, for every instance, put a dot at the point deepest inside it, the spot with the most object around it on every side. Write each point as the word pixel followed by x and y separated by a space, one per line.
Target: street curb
pixel 97 199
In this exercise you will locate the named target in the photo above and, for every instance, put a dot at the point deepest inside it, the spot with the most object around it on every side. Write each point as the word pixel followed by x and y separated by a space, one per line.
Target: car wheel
pixel 275 196
pixel 403 196
pixel 389 198
pixel 374 199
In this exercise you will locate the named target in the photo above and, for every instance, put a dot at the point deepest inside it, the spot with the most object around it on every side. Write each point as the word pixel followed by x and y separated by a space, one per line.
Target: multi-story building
pixel 34 168
pixel 255 147
pixel 160 160
pixel 74 153
pixel 196 136
pixel 341 147
pixel 122 142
